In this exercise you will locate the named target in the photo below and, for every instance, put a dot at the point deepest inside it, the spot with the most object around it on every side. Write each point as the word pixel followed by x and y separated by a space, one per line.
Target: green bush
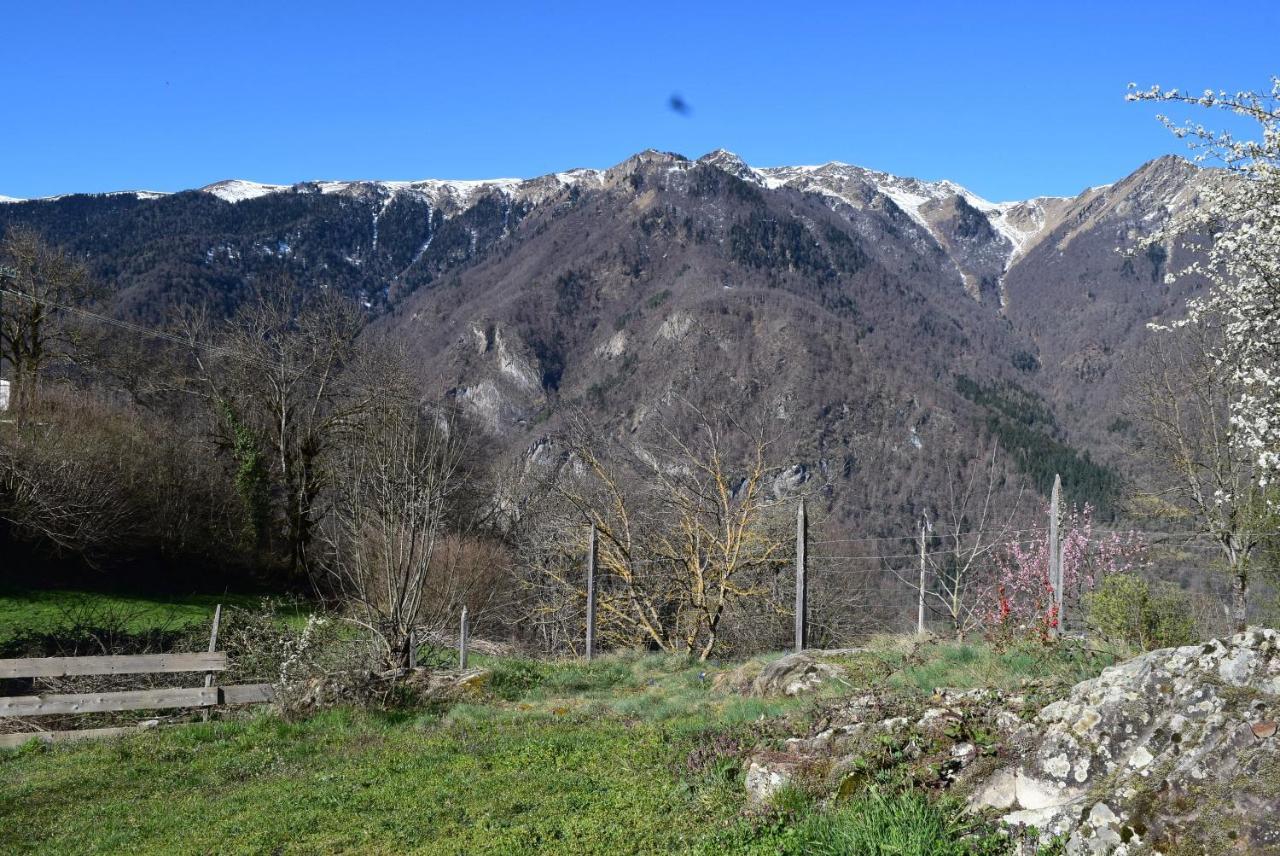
pixel 1130 610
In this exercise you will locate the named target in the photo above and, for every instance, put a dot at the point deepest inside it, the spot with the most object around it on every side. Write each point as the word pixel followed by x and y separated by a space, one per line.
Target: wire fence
pixel 920 588
pixel 917 582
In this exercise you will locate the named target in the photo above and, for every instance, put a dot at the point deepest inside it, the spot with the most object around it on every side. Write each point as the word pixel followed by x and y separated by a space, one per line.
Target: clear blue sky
pixel 1012 100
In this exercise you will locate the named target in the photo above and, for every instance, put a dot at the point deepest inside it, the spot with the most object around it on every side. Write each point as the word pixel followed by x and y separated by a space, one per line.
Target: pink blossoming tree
pixel 1024 598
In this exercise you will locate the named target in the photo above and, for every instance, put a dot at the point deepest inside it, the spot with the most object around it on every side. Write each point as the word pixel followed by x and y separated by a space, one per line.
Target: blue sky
pixel 1011 100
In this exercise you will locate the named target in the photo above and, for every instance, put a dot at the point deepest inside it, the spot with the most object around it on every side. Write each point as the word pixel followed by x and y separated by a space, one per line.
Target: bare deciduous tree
pixel 389 554
pixel 40 280
pixel 61 486
pixel 686 532
pixel 975 519
pixel 288 383
pixel 1183 394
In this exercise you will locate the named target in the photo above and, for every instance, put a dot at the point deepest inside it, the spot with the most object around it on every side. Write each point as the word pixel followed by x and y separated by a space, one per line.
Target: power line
pixel 124 325
pixel 1199 534
pixel 215 350
pixel 917 553
pixel 916 537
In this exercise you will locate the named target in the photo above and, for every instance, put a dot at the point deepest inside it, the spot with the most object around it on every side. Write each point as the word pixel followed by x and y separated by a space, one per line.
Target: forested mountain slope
pixel 884 327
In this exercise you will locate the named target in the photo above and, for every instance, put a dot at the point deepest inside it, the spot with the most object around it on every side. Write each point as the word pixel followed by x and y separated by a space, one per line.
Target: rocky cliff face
pixel 1085 299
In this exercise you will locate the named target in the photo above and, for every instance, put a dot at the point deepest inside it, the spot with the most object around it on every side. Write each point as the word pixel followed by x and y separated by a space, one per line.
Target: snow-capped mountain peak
pixel 727 161
pixel 981 256
pixel 979 239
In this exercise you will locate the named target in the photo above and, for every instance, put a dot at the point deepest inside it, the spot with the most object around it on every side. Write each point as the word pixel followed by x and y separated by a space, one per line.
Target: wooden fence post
pixel 592 550
pixel 802 580
pixel 1055 551
pixel 213 646
pixel 463 632
pixel 920 601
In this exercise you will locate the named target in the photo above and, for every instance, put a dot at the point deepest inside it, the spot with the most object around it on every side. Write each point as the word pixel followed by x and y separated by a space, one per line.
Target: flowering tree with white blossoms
pixel 1233 236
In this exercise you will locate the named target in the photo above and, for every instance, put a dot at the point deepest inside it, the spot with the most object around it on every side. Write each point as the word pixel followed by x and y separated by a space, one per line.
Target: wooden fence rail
pixel 131 664
pixel 159 699
pixel 15 741
pixel 164 698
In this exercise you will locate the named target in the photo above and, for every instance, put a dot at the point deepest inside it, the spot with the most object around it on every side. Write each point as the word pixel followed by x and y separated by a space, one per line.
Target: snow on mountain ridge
pixel 235 190
pixel 1017 225
pixel 140 194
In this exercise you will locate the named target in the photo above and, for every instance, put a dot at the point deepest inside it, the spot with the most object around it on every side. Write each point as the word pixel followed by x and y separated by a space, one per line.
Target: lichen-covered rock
pixel 363 687
pixel 770 772
pixel 738 680
pixel 793 675
pixel 858 736
pixel 1174 749
pixel 335 689
pixel 448 685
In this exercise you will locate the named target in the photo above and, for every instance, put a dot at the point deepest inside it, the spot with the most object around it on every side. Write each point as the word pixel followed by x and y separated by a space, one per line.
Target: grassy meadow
pixel 29 612
pixel 629 754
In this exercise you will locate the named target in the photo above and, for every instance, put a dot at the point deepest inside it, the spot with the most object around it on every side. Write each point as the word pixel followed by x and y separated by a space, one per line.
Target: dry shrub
pixel 101 480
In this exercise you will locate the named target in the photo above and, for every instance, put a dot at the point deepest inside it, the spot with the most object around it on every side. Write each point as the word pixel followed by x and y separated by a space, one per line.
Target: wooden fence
pixel 165 698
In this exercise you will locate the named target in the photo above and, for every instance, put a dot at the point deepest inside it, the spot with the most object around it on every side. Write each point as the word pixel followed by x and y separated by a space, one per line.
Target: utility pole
pixel 592 551
pixel 7 276
pixel 1055 552
pixel 920 602
pixel 464 633
pixel 802 581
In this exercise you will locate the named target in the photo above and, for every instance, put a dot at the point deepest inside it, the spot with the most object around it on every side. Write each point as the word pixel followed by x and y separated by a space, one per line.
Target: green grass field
pixel 630 754
pixel 556 758
pixel 346 782
pixel 25 612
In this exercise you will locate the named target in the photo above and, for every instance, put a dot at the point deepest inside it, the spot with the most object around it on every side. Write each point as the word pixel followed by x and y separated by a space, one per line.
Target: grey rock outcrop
pixel 770 772
pixel 1174 749
pixel 947 739
pixel 793 675
pixel 361 687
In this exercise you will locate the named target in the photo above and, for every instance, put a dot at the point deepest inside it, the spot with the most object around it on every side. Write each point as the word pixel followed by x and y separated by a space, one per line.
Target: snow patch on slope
pixel 1018 222
pixel 577 176
pixel 465 190
pixel 235 190
pixel 139 194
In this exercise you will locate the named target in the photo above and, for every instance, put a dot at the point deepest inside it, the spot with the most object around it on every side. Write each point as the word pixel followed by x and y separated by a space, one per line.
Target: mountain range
pixel 887 326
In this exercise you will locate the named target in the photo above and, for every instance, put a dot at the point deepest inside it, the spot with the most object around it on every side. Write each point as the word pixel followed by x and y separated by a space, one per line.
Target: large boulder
pixel 793 675
pixel 1172 751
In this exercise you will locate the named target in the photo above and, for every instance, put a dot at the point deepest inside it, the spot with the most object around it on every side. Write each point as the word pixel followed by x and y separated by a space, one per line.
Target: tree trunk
pixel 1237 563
pixel 1239 597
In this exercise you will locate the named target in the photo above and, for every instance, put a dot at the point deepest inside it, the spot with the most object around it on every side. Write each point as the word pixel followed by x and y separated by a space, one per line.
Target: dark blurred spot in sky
pixel 679 105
